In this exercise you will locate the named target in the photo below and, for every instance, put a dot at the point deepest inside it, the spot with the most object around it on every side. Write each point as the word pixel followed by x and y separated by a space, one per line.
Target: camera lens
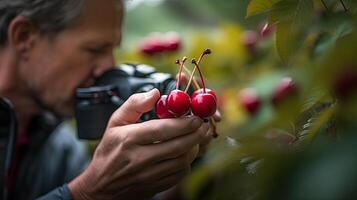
pixel 145 88
pixel 169 86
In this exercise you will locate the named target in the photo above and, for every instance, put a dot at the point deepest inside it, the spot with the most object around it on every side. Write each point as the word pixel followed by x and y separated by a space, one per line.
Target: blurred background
pixel 285 73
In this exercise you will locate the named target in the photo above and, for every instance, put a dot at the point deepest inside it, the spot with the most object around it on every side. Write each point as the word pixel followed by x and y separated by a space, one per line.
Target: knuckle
pixel 124 138
pixel 126 135
pixel 110 139
pixel 133 99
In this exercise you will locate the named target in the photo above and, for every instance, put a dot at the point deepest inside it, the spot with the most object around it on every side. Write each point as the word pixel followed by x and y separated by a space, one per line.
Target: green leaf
pixel 351 6
pixel 319 122
pixel 259 6
pixel 286 41
pixel 326 42
pixel 293 18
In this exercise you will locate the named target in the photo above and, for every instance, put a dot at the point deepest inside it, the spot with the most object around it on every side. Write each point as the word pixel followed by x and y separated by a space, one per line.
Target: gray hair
pixel 50 16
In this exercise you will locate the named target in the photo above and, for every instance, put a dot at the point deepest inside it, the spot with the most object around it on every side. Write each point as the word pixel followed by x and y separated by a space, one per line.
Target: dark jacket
pixel 42 163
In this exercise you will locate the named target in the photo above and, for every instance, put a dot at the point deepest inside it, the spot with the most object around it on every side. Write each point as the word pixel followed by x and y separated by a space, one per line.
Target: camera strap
pixel 8 128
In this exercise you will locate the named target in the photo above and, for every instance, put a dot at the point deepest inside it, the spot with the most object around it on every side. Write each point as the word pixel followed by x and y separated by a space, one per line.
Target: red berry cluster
pixel 159 43
pixel 251 101
pixel 202 103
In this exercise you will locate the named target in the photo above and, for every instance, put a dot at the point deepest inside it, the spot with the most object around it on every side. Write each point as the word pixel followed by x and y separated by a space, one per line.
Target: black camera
pixel 95 105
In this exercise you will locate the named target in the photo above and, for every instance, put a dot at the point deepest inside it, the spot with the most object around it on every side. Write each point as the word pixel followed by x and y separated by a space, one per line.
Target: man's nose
pixel 103 64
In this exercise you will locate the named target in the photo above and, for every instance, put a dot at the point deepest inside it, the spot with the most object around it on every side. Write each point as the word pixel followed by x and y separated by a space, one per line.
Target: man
pixel 47 50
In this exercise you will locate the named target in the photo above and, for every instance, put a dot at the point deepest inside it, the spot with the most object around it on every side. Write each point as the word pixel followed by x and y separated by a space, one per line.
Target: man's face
pixel 73 58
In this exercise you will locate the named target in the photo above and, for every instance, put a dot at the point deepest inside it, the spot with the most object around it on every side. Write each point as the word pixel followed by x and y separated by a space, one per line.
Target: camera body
pixel 95 105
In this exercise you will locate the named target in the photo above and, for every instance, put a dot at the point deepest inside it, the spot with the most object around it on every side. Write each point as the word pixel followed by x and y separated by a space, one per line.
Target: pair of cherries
pixel 202 103
pixel 178 103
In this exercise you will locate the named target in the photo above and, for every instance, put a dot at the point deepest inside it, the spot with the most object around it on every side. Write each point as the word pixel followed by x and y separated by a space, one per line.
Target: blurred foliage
pixel 302 147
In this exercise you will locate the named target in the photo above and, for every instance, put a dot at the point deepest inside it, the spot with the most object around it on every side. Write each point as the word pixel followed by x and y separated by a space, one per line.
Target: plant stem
pixel 193 73
pixel 324 4
pixel 205 52
pixel 344 6
pixel 197 86
pixel 180 70
pixel 203 82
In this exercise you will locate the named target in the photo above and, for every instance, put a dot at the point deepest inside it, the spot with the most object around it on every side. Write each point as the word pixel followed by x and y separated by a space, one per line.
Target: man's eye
pixel 95 50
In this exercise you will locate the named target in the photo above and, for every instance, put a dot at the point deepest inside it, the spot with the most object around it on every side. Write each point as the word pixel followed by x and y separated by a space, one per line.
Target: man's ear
pixel 22 33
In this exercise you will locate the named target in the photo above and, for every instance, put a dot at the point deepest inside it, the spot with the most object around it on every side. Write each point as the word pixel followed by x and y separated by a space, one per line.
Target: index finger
pixel 162 129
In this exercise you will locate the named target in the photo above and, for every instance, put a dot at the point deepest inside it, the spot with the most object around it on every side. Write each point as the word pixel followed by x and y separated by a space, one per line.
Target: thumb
pixel 134 107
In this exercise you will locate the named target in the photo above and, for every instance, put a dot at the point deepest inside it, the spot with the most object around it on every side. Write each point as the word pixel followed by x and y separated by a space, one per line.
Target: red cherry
pixel 152 45
pixel 346 84
pixel 203 105
pixel 250 100
pixel 161 108
pixel 200 91
pixel 266 30
pixel 146 49
pixel 250 40
pixel 285 88
pixel 178 103
pixel 172 41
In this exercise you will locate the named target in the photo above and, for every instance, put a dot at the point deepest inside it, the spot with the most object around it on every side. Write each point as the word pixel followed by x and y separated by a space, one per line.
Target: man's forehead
pixel 102 13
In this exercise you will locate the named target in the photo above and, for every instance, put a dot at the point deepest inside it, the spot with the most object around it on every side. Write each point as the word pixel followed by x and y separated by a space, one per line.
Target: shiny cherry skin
pixel 178 103
pixel 172 41
pixel 161 109
pixel 200 91
pixel 285 88
pixel 250 100
pixel 203 105
pixel 267 30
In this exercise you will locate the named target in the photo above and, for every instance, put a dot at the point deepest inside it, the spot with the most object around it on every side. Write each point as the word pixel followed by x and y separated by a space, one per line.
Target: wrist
pixel 79 188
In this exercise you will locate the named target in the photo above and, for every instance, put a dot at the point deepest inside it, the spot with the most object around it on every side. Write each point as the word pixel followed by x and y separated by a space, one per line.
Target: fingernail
pixel 197 121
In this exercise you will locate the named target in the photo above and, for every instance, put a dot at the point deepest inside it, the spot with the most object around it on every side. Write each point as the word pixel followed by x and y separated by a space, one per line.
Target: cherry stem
pixel 203 82
pixel 344 6
pixel 180 70
pixel 211 119
pixel 197 86
pixel 205 52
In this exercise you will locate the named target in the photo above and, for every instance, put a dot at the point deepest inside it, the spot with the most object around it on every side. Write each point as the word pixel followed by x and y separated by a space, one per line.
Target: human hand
pixel 210 134
pixel 138 160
